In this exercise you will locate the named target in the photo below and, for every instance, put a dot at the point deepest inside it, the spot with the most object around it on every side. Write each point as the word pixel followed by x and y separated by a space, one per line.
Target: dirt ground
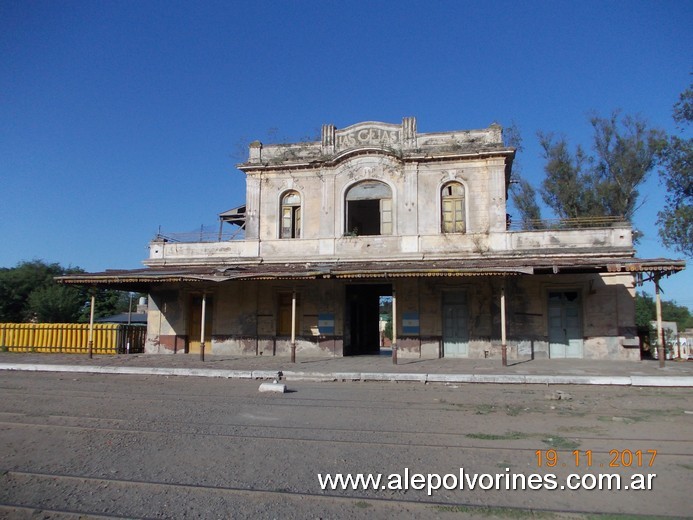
pixel 105 446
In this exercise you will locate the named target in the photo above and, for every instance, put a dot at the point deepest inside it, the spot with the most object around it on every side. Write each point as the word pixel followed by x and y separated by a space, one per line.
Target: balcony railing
pixel 567 223
pixel 215 234
pixel 204 234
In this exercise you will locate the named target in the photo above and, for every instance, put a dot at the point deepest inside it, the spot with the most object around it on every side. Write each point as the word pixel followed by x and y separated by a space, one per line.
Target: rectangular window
pixel 385 216
pixel 453 216
pixel 291 222
pixel 297 222
pixel 287 221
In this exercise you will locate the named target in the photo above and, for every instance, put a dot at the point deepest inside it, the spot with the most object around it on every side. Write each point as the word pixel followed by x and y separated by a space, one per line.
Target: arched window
pixel 452 208
pixel 369 209
pixel 291 215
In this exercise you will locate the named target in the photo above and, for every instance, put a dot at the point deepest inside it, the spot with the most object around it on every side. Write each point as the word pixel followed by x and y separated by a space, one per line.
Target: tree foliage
pixel 566 189
pixel 18 283
pixel 388 328
pixel 28 292
pixel 606 183
pixel 523 195
pixel 645 312
pixel 625 154
pixel 675 221
pixel 55 304
pixel 525 200
pixel 106 303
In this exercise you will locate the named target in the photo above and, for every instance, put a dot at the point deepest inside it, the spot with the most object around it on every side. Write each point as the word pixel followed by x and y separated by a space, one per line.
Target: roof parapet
pixel 401 140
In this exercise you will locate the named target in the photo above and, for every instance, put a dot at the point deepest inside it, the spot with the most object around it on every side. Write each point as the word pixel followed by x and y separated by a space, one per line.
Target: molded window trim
pixel 369 209
pixel 290 225
pixel 452 206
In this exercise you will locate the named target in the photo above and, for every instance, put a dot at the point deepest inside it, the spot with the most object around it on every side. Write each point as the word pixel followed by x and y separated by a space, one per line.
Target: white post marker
pixel 90 341
pixel 279 388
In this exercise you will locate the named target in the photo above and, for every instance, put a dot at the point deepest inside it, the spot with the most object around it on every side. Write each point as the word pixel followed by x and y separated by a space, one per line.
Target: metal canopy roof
pixel 234 216
pixel 138 278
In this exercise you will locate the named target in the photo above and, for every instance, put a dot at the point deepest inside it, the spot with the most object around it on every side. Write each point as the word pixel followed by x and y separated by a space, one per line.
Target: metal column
pixel 394 326
pixel 293 326
pixel 660 331
pixel 90 342
pixel 202 327
pixel 504 344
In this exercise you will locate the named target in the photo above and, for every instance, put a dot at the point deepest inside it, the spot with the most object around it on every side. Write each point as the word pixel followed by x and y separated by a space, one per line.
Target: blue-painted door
pixel 455 325
pixel 565 325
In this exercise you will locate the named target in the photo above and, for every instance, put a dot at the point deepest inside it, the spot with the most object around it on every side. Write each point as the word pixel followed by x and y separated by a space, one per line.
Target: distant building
pixel 135 318
pixel 376 210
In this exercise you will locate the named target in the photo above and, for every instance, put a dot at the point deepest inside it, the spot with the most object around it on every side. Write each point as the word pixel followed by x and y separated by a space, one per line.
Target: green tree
pixel 524 198
pixel 675 221
pixel 602 184
pixel 671 311
pixel 17 284
pixel 106 303
pixel 607 182
pixel 646 312
pixel 626 152
pixel 56 304
pixel 567 187
pixel 523 195
pixel 29 292
pixel 388 328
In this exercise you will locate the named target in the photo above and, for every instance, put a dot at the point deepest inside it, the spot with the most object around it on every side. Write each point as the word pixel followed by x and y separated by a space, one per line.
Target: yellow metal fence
pixel 71 338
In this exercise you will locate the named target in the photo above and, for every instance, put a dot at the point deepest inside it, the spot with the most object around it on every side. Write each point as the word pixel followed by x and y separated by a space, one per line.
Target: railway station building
pixel 375 210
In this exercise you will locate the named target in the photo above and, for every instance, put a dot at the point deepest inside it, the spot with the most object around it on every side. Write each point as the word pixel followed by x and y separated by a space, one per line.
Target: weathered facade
pixel 378 210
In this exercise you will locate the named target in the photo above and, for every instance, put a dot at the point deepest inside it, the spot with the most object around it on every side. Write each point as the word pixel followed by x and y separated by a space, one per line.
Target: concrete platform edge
pixel 635 380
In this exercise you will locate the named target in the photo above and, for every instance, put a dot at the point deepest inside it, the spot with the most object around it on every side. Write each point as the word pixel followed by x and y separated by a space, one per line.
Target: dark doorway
pixel 362 319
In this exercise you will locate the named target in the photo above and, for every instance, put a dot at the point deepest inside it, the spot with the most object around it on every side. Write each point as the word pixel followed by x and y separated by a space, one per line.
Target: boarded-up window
pixel 452 208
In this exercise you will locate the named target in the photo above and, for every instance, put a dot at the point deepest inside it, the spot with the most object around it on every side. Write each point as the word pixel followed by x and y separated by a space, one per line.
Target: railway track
pixel 331 435
pixel 169 449
pixel 79 484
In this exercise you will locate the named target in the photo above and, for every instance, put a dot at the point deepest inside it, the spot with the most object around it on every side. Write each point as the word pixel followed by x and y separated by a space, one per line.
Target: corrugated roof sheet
pixel 374 269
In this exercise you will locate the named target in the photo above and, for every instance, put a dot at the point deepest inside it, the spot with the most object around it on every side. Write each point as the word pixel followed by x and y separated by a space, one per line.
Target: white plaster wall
pixel 308 183
pixel 166 316
pixel 473 175
pixel 391 247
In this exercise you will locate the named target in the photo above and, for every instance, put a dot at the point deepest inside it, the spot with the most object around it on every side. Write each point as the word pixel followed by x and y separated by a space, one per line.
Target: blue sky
pixel 119 117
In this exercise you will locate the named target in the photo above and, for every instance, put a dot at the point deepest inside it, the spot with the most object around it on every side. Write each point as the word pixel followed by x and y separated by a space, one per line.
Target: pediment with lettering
pixel 369 134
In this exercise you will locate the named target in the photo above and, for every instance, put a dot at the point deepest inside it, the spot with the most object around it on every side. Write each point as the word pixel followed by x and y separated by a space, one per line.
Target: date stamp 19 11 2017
pixel 587 459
